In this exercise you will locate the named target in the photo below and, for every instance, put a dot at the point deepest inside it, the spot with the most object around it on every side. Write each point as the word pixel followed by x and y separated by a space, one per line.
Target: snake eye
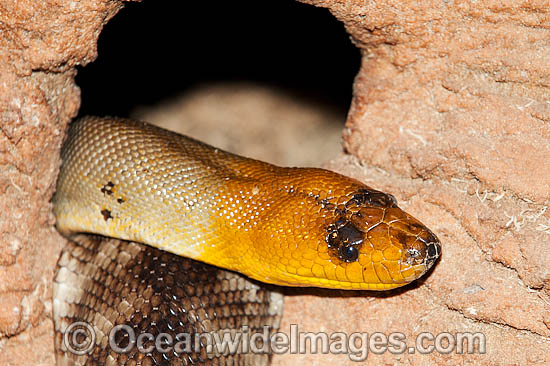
pixel 348 253
pixel 344 239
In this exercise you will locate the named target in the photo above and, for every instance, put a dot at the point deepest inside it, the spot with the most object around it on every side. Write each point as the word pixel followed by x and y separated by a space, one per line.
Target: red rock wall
pixel 41 42
pixel 450 114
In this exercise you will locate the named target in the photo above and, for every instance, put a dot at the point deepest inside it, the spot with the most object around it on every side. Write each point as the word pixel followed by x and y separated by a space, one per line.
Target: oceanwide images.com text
pixel 80 338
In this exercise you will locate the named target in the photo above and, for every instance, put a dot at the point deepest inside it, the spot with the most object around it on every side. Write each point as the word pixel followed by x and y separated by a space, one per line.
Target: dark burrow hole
pixel 152 51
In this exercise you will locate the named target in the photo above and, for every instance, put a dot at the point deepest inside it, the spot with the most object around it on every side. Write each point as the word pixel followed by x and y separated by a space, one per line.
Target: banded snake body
pixel 135 183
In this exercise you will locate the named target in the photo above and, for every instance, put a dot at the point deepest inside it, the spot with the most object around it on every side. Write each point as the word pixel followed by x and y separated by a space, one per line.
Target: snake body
pixel 105 282
pixel 132 181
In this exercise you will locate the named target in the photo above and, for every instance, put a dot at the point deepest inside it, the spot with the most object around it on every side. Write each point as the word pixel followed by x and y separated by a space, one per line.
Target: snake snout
pixel 424 250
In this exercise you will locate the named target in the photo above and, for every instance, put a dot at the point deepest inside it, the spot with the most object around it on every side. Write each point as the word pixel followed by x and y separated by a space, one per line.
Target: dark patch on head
pixel 106 214
pixel 338 224
pixel 373 198
pixel 120 200
pixel 350 234
pixel 108 188
pixel 344 239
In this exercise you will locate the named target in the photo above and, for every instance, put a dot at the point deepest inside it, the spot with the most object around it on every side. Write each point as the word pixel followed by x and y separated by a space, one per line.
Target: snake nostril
pixel 414 256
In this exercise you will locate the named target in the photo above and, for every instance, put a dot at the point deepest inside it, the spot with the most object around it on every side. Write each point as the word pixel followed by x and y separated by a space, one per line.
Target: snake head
pixel 328 230
pixel 351 237
pixel 374 244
